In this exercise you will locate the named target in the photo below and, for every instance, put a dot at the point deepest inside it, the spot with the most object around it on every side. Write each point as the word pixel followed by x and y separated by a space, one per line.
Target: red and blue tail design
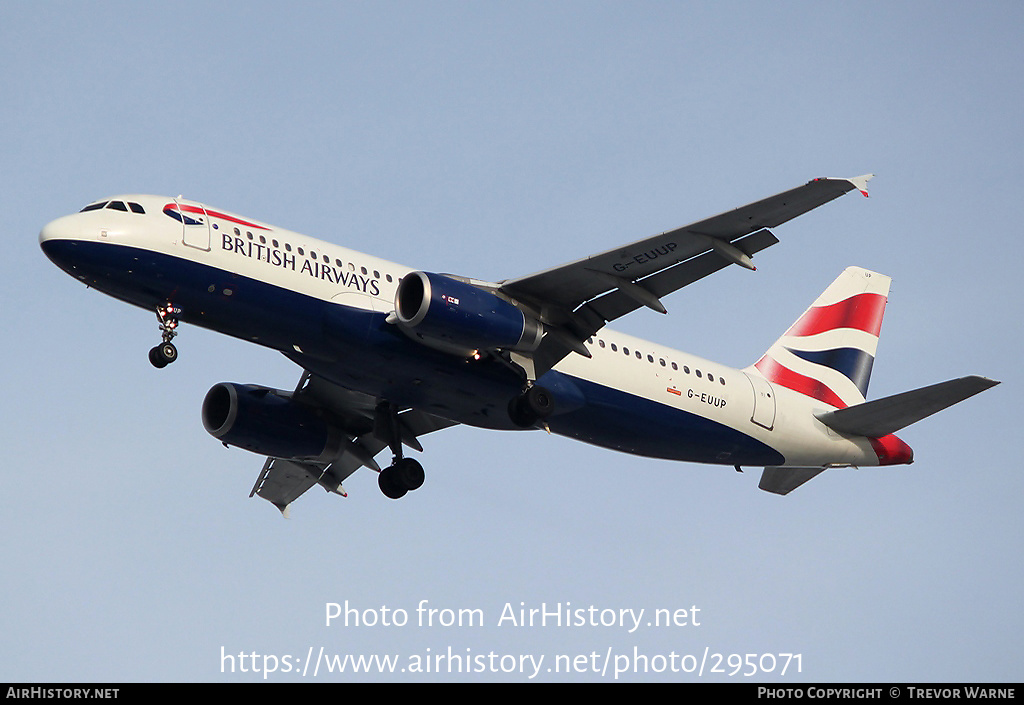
pixel 828 353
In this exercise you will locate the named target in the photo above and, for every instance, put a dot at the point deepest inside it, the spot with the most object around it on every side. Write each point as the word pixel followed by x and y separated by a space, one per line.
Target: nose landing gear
pixel 165 353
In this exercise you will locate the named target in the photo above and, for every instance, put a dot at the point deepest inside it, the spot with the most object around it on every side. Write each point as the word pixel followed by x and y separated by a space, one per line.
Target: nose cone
pixel 64 241
pixel 54 230
pixel 64 229
pixel 56 238
pixel 892 451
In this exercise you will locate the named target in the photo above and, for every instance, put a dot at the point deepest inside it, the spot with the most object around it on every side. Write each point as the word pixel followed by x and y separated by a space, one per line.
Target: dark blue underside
pixel 358 350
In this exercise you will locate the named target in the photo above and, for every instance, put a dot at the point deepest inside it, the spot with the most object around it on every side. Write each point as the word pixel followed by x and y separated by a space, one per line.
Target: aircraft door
pixel 195 224
pixel 764 401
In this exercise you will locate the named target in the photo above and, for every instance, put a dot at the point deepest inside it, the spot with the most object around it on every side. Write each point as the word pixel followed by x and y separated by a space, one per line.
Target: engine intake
pixel 458 317
pixel 267 421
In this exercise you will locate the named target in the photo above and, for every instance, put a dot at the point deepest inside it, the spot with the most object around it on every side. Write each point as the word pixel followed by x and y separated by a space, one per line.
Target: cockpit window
pixel 115 206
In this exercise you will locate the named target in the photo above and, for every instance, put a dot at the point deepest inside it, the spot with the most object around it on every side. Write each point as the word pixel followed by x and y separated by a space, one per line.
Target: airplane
pixel 389 353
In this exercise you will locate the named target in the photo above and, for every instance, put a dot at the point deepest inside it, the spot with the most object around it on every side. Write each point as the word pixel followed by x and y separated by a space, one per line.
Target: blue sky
pixel 494 140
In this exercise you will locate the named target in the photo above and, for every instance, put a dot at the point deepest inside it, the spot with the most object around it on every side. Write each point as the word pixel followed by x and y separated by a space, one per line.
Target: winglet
pixel 861 183
pixel 858 182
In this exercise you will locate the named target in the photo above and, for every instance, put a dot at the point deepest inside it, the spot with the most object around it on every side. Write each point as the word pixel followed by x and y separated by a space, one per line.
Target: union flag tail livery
pixel 390 354
pixel 828 353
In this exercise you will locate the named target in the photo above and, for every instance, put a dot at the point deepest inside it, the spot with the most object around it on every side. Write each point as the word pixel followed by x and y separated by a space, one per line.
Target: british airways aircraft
pixel 389 353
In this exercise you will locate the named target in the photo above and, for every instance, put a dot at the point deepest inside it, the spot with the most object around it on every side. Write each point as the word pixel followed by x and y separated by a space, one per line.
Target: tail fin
pixel 828 353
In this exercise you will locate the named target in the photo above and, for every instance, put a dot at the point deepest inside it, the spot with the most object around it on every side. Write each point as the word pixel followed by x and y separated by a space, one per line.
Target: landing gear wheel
pixel 387 482
pixel 163 355
pixel 409 473
pixel 168 352
pixel 539 401
pixel 405 475
pixel 533 405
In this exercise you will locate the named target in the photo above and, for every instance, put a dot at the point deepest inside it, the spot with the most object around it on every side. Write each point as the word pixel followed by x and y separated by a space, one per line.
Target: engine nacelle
pixel 267 421
pixel 458 317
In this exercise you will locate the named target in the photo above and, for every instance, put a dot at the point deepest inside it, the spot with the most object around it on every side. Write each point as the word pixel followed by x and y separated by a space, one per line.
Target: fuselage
pixel 326 307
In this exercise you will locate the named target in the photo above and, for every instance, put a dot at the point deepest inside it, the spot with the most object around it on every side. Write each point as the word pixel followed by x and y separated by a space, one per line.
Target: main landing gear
pixel 404 474
pixel 532 406
pixel 165 353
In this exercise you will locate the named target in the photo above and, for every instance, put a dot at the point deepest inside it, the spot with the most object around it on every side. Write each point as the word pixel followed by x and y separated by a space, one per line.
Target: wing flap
pixel 283 481
pixel 881 417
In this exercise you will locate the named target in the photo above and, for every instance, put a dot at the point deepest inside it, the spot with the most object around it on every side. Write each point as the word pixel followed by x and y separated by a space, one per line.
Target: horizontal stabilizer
pixel 881 417
pixel 782 480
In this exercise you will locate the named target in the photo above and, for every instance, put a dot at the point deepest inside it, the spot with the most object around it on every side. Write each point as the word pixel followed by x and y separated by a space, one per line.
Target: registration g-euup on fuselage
pixel 389 353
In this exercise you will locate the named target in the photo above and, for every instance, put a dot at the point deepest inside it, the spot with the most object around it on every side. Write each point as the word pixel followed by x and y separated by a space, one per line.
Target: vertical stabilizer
pixel 828 353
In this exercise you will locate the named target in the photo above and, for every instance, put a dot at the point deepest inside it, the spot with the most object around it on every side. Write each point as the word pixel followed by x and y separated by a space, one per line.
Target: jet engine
pixel 268 422
pixel 458 317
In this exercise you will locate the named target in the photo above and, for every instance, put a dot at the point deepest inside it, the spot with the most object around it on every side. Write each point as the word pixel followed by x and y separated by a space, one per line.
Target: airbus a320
pixel 389 353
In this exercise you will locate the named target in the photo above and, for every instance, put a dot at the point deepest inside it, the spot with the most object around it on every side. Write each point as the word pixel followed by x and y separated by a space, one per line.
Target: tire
pixel 409 474
pixel 157 359
pixel 168 352
pixel 387 484
pixel 539 401
pixel 520 416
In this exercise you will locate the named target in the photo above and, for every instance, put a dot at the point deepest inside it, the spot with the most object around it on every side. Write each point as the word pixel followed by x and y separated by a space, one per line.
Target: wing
pixel 578 299
pixel 357 415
